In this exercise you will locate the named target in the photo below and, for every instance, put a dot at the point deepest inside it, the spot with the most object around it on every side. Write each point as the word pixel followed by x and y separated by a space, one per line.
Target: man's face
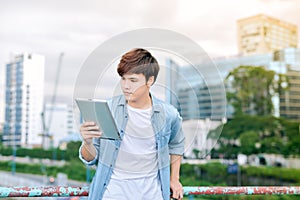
pixel 134 87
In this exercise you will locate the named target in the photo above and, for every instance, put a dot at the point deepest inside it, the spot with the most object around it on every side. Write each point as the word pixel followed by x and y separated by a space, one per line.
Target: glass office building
pixel 200 98
pixel 288 62
pixel 201 102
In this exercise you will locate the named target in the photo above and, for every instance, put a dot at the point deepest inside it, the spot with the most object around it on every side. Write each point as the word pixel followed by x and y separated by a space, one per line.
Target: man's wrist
pixel 87 143
pixel 175 178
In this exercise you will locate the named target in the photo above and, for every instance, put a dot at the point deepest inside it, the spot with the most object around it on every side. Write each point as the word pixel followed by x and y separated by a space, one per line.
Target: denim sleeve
pixel 95 160
pixel 176 143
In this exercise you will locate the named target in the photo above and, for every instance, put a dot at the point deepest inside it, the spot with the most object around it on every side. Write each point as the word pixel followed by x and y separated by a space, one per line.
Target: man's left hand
pixel 176 189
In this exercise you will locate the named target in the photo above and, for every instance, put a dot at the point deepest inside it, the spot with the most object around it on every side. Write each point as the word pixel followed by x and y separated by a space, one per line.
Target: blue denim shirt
pixel 166 123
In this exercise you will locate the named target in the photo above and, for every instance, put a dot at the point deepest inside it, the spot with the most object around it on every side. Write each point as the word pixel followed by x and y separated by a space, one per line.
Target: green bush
pixel 208 174
pixel 34 153
pixel 216 174
pixel 286 174
pixel 55 154
pixel 75 171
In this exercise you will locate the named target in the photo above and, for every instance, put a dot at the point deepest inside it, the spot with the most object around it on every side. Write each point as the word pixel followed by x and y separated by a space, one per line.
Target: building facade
pixel 288 61
pixel 197 97
pixel 59 123
pixel 262 34
pixel 286 104
pixel 290 99
pixel 202 106
pixel 198 93
pixel 24 98
pixel 195 91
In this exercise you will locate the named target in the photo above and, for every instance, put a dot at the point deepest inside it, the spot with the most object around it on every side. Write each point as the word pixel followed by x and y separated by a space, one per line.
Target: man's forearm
pixel 88 152
pixel 175 166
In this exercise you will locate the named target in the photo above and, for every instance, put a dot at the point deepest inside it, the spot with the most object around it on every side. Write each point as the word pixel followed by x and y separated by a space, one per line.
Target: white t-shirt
pixel 137 156
pixel 135 175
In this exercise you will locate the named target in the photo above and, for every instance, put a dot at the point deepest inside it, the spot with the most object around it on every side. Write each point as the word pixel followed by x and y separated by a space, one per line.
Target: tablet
pixel 97 110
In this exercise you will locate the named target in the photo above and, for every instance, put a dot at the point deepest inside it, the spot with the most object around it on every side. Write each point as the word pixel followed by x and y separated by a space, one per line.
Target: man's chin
pixel 128 97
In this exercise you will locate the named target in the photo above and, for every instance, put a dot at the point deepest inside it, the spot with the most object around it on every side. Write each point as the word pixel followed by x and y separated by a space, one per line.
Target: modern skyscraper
pixel 262 34
pixel 24 97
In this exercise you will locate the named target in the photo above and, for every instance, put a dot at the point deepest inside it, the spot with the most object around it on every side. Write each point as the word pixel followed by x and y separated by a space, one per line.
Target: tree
pixel 248 141
pixel 251 89
pixel 258 134
pixel 272 145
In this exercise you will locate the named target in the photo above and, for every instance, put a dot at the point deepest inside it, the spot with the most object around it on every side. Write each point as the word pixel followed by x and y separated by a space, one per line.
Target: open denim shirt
pixel 167 126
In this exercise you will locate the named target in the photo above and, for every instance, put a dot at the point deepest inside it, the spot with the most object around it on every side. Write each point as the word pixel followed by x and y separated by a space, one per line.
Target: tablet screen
pixel 98 111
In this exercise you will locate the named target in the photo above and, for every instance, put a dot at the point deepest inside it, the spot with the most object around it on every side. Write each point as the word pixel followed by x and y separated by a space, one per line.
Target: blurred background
pixel 251 136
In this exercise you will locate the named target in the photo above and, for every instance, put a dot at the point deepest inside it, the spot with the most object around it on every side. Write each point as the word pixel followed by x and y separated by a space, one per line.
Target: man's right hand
pixel 88 131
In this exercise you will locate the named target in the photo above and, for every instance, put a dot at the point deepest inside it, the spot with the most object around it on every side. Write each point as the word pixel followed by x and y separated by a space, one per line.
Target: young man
pixel 145 163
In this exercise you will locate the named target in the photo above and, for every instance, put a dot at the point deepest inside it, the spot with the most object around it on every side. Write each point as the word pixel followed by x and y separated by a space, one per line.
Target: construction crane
pixel 46 126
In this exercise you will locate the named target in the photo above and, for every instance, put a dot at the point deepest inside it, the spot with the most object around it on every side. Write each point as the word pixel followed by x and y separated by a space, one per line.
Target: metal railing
pixel 65 191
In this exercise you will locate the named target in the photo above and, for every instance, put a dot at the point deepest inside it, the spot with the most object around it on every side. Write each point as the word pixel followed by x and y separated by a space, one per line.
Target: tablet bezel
pixel 103 118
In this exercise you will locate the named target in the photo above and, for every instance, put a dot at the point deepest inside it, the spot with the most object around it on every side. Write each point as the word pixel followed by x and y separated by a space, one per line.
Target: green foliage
pixel 31 168
pixel 248 140
pixel 216 174
pixel 209 174
pixel 196 153
pixel 56 154
pixel 34 153
pixel 292 175
pixel 75 170
pixel 191 175
pixel 293 146
pixel 258 134
pixel 1 134
pixel 72 151
pixel 272 145
pixel 252 89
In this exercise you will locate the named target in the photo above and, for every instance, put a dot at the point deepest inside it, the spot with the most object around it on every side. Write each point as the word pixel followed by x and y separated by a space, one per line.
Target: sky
pixel 76 28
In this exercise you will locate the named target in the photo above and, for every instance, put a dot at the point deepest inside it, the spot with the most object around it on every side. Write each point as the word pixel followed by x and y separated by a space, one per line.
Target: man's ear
pixel 150 81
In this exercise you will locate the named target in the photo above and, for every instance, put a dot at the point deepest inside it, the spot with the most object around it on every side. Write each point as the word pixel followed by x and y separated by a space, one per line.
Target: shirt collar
pixel 155 102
